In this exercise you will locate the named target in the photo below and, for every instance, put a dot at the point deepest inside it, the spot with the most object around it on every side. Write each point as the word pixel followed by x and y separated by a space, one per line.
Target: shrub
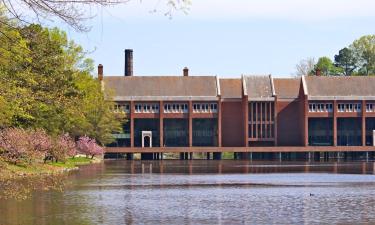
pixel 18 146
pixel 89 147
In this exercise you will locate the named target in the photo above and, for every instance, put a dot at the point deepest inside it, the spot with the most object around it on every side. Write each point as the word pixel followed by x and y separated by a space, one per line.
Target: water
pixel 204 192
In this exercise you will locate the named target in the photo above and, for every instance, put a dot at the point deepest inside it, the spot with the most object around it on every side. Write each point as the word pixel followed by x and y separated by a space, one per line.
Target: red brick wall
pixel 290 127
pixel 232 124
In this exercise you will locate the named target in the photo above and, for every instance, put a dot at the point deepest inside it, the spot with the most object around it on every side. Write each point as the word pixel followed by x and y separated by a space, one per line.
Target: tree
pixel 326 67
pixel 364 49
pixel 47 84
pixel 89 147
pixel 72 12
pixel 305 67
pixel 346 60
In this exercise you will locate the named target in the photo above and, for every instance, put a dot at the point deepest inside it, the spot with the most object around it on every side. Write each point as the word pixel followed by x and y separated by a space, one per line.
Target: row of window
pixel 205 107
pixel 176 108
pixel 122 108
pixel 146 108
pixel 341 107
pixel 168 108
pixel 320 107
pixel 349 107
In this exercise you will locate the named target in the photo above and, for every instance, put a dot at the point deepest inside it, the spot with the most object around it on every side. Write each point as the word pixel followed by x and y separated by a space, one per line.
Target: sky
pixel 223 38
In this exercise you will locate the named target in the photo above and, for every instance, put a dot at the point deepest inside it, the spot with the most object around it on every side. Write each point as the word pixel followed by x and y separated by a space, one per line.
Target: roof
pixel 340 87
pixel 231 88
pixel 259 87
pixel 287 88
pixel 162 87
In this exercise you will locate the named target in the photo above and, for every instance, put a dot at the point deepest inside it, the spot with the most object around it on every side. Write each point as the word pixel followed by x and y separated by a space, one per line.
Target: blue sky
pixel 224 38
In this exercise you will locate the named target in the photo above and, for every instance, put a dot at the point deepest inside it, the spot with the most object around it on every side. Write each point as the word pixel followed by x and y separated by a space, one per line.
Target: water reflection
pixel 205 192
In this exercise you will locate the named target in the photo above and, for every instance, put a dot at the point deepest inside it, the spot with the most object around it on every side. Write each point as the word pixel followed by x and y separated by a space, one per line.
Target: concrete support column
pixel 363 113
pixel 132 124
pixel 208 155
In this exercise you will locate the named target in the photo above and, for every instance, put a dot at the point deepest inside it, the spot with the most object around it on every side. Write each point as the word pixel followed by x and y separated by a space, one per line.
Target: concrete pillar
pixel 191 155
pixel 208 155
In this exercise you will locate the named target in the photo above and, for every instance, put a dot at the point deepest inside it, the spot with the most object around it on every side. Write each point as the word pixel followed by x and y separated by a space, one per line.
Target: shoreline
pixel 13 172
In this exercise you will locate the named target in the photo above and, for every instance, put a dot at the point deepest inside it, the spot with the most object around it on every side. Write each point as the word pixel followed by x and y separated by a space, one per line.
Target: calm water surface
pixel 204 192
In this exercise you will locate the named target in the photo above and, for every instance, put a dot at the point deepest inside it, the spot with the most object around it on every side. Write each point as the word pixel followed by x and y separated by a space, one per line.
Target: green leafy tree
pixel 364 49
pixel 46 83
pixel 326 67
pixel 346 60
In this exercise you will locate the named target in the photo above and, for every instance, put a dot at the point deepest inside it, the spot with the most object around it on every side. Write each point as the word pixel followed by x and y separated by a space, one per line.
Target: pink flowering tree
pixel 19 146
pixel 89 147
pixel 63 147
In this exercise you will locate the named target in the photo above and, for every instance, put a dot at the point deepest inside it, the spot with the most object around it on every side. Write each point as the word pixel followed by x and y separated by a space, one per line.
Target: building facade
pixel 249 114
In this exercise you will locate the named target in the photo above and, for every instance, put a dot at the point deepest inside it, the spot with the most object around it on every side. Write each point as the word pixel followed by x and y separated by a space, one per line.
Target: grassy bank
pixel 10 171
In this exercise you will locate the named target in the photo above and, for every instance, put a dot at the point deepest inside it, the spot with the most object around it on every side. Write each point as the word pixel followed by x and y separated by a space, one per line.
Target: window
pixel 329 107
pixel 341 107
pixel 369 107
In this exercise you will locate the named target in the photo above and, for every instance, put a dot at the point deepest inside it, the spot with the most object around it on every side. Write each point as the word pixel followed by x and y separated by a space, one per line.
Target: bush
pixel 63 147
pixel 18 146
pixel 89 147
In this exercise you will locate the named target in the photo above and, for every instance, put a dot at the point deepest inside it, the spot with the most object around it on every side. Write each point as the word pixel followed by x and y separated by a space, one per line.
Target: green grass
pixel 9 171
pixel 73 162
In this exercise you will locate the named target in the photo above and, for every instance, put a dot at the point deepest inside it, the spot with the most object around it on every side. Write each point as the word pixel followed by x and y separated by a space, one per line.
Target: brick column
pixel 245 105
pixel 132 124
pixel 306 117
pixel 363 113
pixel 334 123
pixel 190 123
pixel 161 124
pixel 219 115
pixel 275 120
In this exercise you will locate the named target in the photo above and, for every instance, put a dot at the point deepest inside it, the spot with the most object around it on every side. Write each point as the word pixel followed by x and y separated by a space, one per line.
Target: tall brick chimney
pixel 100 72
pixel 128 62
pixel 186 72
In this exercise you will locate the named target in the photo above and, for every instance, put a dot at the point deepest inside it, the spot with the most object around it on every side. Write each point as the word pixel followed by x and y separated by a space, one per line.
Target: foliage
pixel 89 147
pixel 346 60
pixel 62 148
pixel 364 50
pixel 326 67
pixel 17 146
pixel 47 84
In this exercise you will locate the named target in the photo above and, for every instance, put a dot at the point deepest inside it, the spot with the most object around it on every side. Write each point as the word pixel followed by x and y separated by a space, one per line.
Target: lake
pixel 204 192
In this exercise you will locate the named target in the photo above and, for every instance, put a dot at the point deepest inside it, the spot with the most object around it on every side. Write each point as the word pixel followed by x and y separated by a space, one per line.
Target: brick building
pixel 250 114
